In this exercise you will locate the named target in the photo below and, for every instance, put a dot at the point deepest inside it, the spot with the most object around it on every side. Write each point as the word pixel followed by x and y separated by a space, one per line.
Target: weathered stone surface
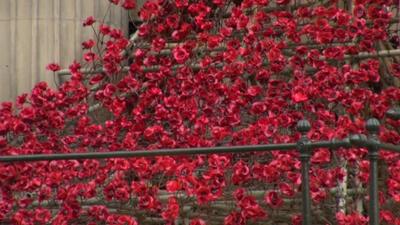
pixel 37 32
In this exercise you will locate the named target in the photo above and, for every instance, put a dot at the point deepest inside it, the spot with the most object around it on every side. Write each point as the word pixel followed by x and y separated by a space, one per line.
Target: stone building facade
pixel 34 33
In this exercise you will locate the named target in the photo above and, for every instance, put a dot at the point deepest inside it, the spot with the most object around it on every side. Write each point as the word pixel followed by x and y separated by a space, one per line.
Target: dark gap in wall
pixel 132 27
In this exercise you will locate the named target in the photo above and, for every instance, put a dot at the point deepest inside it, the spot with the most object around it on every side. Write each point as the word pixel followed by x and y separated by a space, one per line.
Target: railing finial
pixel 303 126
pixel 372 126
pixel 394 113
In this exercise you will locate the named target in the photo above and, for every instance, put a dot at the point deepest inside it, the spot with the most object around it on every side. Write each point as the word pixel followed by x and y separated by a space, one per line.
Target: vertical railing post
pixel 303 126
pixel 372 127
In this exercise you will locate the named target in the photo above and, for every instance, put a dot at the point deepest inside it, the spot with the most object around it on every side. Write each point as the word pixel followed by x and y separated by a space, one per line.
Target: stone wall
pixel 34 33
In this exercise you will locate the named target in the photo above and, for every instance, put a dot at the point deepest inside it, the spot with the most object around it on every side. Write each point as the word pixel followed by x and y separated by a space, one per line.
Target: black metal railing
pixel 304 146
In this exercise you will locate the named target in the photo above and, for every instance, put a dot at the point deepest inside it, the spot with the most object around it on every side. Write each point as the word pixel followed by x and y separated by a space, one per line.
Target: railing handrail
pixel 354 141
pixel 171 152
pixel 304 146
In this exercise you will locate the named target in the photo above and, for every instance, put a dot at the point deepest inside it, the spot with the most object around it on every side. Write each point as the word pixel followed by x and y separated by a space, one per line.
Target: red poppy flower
pixel 129 4
pixel 273 199
pixel 53 67
pixel 89 21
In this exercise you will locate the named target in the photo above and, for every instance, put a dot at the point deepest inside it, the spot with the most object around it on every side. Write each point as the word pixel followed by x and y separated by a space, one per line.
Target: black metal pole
pixel 164 152
pixel 390 147
pixel 303 126
pixel 372 126
pixel 361 140
pixel 149 153
pixel 333 144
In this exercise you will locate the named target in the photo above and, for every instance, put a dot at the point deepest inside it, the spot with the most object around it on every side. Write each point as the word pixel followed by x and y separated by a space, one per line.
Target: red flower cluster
pixel 205 73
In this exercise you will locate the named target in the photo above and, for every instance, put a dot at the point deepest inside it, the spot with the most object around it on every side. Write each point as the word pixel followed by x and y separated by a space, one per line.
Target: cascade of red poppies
pixel 210 73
